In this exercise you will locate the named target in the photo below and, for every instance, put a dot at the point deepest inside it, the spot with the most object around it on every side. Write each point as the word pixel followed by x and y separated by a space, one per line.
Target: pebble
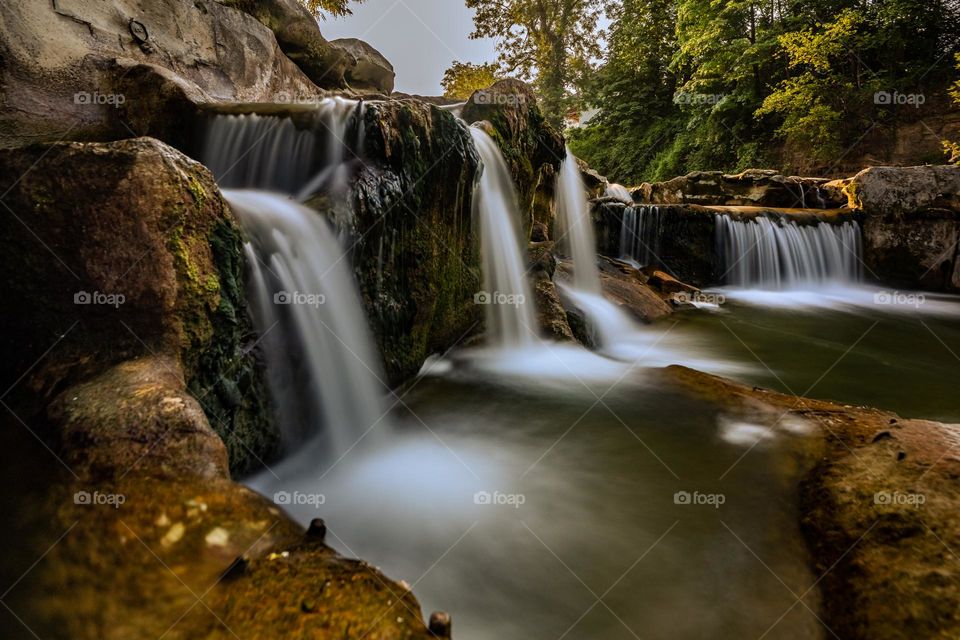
pixel 173 535
pixel 218 537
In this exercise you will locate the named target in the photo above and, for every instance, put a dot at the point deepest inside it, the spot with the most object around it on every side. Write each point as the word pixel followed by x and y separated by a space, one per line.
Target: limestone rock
pixel 369 71
pixel 64 65
pixel 119 251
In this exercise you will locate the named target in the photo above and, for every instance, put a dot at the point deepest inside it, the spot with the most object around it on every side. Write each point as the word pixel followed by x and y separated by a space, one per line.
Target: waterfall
pixel 323 368
pixel 575 227
pixel 322 365
pixel 619 192
pixel 509 306
pixel 640 235
pixel 777 254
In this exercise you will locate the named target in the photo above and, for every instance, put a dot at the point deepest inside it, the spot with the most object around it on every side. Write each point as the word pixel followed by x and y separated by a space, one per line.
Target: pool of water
pixel 575 499
pixel 891 350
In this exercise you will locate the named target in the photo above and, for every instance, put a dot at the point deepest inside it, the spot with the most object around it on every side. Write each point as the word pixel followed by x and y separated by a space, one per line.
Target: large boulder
pixel 66 66
pixel 300 39
pixel 911 224
pixel 531 147
pixel 116 252
pixel 369 70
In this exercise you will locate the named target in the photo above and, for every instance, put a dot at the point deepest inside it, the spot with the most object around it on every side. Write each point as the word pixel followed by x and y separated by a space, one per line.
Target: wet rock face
pixel 122 251
pixel 532 148
pixel 551 315
pixel 415 245
pixel 66 66
pixel 754 187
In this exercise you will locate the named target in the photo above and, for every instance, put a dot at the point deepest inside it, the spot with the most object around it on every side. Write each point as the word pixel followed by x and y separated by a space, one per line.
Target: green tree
pixel 463 78
pixel 953 148
pixel 323 8
pixel 551 42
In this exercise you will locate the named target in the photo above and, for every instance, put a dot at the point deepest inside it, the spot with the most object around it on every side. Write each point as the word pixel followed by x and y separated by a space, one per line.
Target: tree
pixel 322 8
pixel 952 149
pixel 463 78
pixel 551 42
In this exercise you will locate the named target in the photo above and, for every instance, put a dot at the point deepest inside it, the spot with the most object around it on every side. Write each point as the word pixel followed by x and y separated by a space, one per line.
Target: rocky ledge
pixel 879 510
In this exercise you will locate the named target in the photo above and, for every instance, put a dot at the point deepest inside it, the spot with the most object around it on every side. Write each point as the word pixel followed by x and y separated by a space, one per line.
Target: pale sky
pixel 419 37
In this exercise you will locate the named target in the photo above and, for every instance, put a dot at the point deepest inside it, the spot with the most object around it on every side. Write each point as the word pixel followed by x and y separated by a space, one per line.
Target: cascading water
pixel 575 227
pixel 773 254
pixel 639 235
pixel 619 192
pixel 322 366
pixel 509 305
pixel 320 356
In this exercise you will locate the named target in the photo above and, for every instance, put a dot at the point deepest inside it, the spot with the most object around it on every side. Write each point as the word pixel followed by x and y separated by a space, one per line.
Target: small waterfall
pixel 775 254
pixel 619 192
pixel 640 235
pixel 323 368
pixel 322 365
pixel 575 227
pixel 608 324
pixel 509 306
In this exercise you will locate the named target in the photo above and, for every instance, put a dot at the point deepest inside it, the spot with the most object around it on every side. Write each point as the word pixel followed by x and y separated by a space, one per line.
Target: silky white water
pixel 507 300
pixel 574 227
pixel 619 192
pixel 773 254
pixel 639 235
pixel 322 367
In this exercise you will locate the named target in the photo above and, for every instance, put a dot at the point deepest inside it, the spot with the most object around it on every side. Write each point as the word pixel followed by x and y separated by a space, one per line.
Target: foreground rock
pixel 90 70
pixel 122 251
pixel 879 511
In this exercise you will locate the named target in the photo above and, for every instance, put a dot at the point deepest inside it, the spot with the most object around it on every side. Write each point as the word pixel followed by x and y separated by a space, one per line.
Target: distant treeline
pixel 729 84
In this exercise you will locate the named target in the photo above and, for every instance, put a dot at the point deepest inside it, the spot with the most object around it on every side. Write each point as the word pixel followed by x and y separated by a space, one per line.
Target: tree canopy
pixel 463 78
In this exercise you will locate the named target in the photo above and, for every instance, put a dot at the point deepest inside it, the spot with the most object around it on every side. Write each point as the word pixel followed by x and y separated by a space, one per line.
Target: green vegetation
pixel 707 84
pixel 548 42
pixel 463 78
pixel 323 8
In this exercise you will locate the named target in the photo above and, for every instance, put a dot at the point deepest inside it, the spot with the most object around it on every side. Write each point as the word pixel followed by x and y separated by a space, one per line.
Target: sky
pixel 421 38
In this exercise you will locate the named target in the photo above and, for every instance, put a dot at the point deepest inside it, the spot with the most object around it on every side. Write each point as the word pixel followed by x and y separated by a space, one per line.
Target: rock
pixel 622 285
pixel 64 66
pixel 370 71
pixel 881 541
pixel 753 187
pixel 912 224
pixel 300 39
pixel 416 255
pixel 551 315
pixel 665 284
pixel 118 252
pixel 532 148
pixel 904 190
pixel 115 422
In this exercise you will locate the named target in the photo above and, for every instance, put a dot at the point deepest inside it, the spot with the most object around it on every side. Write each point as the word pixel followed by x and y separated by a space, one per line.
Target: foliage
pixel 463 78
pixel 323 8
pixel 549 42
pixel 952 148
pixel 725 84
